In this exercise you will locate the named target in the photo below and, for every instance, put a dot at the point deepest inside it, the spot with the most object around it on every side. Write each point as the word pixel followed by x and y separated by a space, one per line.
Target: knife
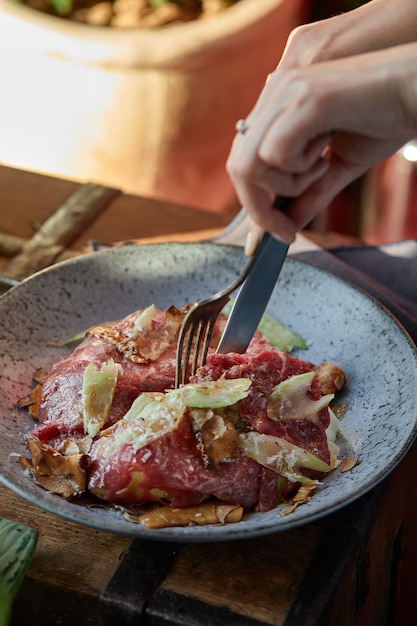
pixel 255 293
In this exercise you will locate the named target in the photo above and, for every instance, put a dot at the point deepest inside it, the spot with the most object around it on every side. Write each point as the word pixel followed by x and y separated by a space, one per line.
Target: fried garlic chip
pixel 59 473
pixel 347 464
pixel 330 377
pixel 31 402
pixel 143 343
pixel 201 515
pixel 302 496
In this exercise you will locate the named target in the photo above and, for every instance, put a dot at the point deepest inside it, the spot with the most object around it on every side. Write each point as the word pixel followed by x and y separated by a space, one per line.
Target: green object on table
pixel 17 545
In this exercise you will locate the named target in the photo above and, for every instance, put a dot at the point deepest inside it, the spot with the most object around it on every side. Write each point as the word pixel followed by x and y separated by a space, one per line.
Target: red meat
pixel 266 369
pixel 172 468
pixel 60 413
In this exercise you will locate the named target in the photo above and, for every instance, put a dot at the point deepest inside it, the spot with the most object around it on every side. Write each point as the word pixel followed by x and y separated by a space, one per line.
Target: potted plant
pixel 149 111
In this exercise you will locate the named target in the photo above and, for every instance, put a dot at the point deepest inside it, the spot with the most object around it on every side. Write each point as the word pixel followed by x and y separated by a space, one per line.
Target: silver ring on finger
pixel 242 127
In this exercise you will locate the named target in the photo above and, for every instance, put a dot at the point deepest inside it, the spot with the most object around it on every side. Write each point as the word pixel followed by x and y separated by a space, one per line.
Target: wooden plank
pixel 79 573
pixel 70 569
pixel 256 579
pixel 171 609
pixel 60 230
pixel 143 567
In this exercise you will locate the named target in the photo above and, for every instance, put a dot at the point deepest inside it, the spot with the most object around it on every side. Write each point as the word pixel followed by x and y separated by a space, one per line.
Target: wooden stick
pixel 60 230
pixel 11 245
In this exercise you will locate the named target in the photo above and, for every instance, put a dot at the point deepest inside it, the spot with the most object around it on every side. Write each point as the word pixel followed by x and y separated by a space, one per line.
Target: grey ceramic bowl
pixel 338 322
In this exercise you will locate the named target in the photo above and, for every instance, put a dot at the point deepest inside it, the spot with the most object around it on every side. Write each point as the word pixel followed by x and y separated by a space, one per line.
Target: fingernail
pixel 251 242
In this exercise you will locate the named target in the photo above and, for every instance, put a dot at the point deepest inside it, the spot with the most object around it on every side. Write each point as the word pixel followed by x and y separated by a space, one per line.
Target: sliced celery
pixel 139 406
pixel 290 399
pixel 144 319
pixel 154 415
pixel 333 427
pixel 150 417
pixel 281 456
pixel 216 393
pixel 97 394
pixel 279 336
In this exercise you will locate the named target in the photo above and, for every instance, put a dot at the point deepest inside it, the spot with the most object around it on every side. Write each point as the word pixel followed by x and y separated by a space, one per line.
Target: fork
pixel 198 324
pixel 197 328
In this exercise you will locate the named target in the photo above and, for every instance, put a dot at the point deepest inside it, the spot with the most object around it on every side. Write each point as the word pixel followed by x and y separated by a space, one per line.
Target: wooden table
pixel 354 568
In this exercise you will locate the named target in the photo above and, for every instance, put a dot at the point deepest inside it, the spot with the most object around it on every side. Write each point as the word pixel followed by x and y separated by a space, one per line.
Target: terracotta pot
pixel 148 112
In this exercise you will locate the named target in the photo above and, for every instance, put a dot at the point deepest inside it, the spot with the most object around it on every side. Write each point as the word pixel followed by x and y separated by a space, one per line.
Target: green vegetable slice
pixel 333 427
pixel 149 417
pixel 142 404
pixel 331 434
pixel 279 336
pixel 97 394
pixel 216 393
pixel 154 415
pixel 144 320
pixel 290 399
pixel 17 545
pixel 281 456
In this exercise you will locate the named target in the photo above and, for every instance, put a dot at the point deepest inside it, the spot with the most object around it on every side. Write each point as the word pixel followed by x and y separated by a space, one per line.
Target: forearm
pixel 407 85
pixel 373 26
pixel 383 84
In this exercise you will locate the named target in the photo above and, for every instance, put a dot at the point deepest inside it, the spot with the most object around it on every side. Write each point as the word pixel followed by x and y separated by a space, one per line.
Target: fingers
pixel 271 182
pixel 321 193
pixel 306 158
pixel 266 161
pixel 257 186
pixel 287 150
pixel 302 208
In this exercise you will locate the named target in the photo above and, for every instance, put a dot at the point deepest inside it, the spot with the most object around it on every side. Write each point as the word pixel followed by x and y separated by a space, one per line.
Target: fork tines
pixel 195 335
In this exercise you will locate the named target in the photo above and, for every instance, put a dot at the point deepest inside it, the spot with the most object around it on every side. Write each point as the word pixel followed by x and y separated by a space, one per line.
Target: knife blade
pixel 255 293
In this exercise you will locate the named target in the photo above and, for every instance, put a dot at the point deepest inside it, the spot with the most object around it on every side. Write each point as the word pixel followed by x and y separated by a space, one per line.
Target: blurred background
pixel 145 99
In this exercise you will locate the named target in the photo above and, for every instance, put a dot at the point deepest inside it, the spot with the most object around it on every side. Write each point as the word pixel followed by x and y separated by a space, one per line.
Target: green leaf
pixel 5 606
pixel 17 545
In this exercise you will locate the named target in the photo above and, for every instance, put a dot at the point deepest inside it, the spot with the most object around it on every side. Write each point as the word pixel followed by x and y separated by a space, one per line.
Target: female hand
pixel 316 129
